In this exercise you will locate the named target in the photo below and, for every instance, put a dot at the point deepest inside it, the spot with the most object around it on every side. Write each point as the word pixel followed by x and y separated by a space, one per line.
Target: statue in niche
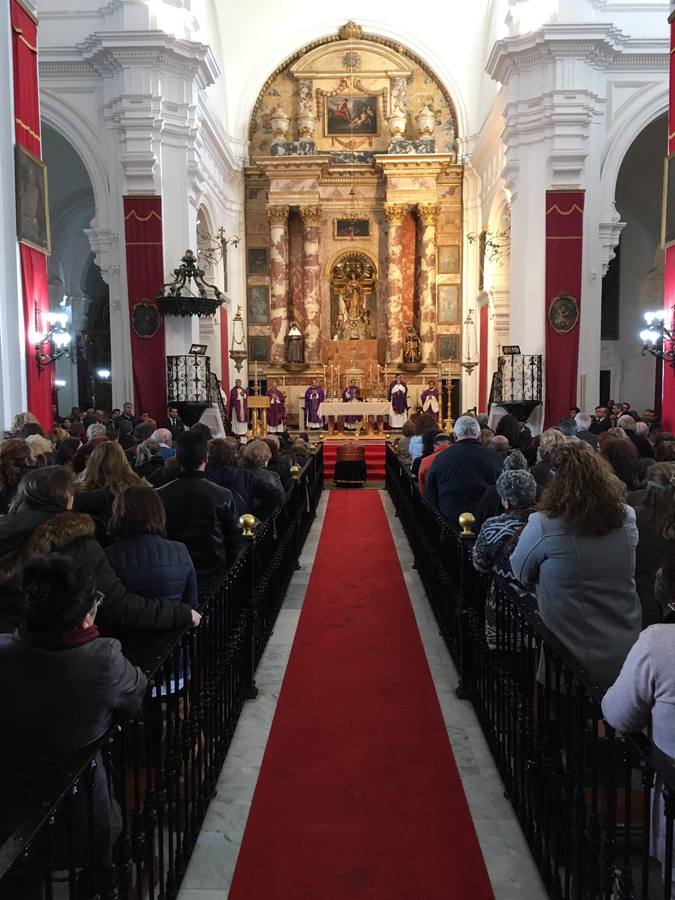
pixel 353 280
pixel 295 345
pixel 412 346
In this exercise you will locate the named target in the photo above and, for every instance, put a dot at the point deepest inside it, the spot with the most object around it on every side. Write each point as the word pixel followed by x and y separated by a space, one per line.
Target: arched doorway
pixel 633 283
pixel 76 288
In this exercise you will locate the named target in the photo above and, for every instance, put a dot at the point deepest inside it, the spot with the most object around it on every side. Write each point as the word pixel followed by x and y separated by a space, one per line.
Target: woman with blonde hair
pixel 108 473
pixel 541 470
pixel 580 524
pixel 656 526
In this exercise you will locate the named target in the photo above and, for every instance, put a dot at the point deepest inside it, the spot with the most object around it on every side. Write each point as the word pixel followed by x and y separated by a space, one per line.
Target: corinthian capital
pixel 394 213
pixel 311 215
pixel 278 215
pixel 427 213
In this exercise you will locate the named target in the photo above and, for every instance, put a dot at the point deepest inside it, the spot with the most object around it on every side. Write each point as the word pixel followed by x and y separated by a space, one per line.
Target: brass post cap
pixel 466 523
pixel 248 523
pixel 295 472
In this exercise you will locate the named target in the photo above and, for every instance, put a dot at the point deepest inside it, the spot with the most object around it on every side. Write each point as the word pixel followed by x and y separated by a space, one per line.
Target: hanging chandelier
pixel 469 344
pixel 657 334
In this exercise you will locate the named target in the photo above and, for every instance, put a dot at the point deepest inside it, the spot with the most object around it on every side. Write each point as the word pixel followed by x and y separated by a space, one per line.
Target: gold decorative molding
pixel 311 215
pixel 395 213
pixel 427 213
pixel 350 31
pixel 278 215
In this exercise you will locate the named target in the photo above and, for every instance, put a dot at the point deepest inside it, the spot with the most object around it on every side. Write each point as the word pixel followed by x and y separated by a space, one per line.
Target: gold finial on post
pixel 248 523
pixel 295 472
pixel 466 523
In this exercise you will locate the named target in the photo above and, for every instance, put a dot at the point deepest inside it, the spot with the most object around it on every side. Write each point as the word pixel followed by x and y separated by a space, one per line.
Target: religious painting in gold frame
pixel 448 259
pixel 258 348
pixel 448 347
pixel 349 229
pixel 351 115
pixel 563 313
pixel 668 203
pixel 32 201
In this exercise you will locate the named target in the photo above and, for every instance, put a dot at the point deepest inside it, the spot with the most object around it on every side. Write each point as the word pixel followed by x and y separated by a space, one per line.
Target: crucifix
pixel 216 249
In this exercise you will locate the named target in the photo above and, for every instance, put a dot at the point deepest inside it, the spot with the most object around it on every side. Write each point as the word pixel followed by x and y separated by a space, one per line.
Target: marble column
pixel 311 273
pixel 426 282
pixel 278 216
pixel 394 213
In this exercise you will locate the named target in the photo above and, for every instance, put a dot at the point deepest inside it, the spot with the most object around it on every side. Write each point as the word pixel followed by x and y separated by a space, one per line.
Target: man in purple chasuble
pixel 314 397
pixel 277 411
pixel 430 401
pixel 349 394
pixel 238 409
pixel 397 395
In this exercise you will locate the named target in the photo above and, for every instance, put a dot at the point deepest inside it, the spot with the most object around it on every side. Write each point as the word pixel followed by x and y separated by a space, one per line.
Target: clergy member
pixel 277 411
pixel 398 398
pixel 429 399
pixel 238 408
pixel 351 394
pixel 314 397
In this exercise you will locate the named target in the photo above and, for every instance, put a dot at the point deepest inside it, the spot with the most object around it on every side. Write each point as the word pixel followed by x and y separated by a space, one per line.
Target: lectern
pixel 259 404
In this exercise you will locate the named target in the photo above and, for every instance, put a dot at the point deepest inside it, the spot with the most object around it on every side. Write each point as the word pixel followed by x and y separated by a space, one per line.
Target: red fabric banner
pixel 668 395
pixel 483 357
pixel 564 248
pixel 224 352
pixel 33 262
pixel 145 276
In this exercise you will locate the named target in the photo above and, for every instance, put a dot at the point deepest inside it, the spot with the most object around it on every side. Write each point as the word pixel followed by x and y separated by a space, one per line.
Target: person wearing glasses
pixel 69 687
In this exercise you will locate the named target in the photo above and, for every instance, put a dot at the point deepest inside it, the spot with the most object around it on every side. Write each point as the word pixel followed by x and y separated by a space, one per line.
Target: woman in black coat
pixel 68 687
pixel 40 522
pixel 145 561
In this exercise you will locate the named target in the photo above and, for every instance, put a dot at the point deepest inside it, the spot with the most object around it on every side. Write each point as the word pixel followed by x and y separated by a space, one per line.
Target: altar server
pixel 314 397
pixel 238 408
pixel 430 402
pixel 277 411
pixel 398 398
pixel 349 394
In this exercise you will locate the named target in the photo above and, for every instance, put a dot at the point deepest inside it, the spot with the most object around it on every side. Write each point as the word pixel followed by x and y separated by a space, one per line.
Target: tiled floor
pixel 510 866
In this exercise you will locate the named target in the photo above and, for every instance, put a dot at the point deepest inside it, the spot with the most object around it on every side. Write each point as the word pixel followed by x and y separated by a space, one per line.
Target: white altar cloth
pixel 355 408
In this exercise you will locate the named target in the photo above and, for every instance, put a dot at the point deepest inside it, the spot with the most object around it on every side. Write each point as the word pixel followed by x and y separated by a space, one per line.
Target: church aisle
pixel 359 794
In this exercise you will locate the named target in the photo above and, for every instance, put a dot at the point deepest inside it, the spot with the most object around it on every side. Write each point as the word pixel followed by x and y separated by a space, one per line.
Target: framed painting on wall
pixel 448 259
pixel 258 304
pixel 346 116
pixel 346 229
pixel 448 347
pixel 257 261
pixel 258 348
pixel 32 202
pixel 448 304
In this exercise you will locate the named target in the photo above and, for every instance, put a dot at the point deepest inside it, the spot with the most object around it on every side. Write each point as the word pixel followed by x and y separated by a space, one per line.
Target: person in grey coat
pixel 578 550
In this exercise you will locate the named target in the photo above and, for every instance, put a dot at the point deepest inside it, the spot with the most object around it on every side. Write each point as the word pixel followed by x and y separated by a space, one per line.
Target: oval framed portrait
pixel 563 313
pixel 145 319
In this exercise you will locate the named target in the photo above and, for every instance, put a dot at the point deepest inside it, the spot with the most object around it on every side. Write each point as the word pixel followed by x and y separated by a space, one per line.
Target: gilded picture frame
pixel 258 304
pixel 349 229
pixel 145 319
pixel 258 348
pixel 448 304
pixel 351 115
pixel 448 259
pixel 257 259
pixel 563 313
pixel 32 201
pixel 448 347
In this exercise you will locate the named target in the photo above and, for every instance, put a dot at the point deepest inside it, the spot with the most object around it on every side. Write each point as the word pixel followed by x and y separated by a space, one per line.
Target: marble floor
pixel 511 869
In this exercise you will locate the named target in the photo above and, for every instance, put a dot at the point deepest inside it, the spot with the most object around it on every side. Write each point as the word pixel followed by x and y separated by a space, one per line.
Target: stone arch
pixel 362 251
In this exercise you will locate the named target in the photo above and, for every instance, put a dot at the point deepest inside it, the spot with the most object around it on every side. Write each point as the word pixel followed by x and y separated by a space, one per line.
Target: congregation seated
pixel 41 521
pixel 403 443
pixel 300 452
pixel 621 456
pixel 149 459
pixel 422 424
pixel 69 686
pixel 164 438
pixel 440 442
pixel 641 443
pixel 655 517
pixel 427 448
pixel 145 561
pixel 65 452
pixel 278 463
pixel 222 468
pixel 16 461
pixel 199 513
pixel 542 469
pixel 125 436
pixel 580 524
pixel 267 490
pixel 491 503
pixel 582 425
pixel 458 478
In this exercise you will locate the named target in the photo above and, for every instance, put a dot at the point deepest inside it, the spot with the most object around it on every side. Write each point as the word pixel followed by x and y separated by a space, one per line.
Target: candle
pixel 255 372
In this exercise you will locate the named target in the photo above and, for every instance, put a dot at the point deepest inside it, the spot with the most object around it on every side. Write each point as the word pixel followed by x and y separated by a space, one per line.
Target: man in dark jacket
pixel 459 477
pixel 199 513
pixel 603 420
pixel 174 423
pixel 127 415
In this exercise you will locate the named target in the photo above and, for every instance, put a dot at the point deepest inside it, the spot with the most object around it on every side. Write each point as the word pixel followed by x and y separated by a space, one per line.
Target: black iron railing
pixel 596 807
pixel 122 822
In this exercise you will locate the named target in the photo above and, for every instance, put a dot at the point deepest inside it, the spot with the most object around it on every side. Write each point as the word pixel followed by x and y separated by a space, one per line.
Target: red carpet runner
pixel 358 795
pixel 375 459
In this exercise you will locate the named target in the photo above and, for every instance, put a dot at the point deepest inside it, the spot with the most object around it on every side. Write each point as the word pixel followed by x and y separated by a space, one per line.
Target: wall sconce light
pixel 656 334
pixel 59 384
pixel 54 343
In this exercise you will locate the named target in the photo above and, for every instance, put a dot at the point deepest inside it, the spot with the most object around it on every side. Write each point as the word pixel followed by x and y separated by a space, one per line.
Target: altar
pixel 336 410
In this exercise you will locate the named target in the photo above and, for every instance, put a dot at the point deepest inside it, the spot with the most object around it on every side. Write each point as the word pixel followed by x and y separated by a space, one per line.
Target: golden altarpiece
pixel 354 219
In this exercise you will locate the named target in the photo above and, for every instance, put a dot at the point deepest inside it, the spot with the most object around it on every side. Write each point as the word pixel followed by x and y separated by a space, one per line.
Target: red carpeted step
pixel 375 460
pixel 359 794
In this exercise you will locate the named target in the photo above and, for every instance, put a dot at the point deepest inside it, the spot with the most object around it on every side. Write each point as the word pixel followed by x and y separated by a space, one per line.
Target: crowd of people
pixel 583 516
pixel 111 524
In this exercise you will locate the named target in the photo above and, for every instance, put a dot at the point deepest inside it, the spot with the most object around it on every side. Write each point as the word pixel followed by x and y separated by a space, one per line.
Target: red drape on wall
pixel 483 356
pixel 564 248
pixel 33 262
pixel 145 276
pixel 224 353
pixel 668 402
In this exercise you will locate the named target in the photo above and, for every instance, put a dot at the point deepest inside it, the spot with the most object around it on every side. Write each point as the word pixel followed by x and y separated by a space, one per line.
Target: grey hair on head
pixel 583 421
pixel 626 422
pixel 467 426
pixel 515 461
pixel 518 488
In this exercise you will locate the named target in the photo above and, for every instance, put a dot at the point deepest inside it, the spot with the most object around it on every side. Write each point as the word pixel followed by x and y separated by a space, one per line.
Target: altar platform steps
pixel 375 459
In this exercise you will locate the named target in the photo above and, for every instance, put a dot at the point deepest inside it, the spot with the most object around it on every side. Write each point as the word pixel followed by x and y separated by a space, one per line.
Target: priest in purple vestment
pixel 277 411
pixel 314 397
pixel 349 394
pixel 397 395
pixel 238 408
pixel 430 401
